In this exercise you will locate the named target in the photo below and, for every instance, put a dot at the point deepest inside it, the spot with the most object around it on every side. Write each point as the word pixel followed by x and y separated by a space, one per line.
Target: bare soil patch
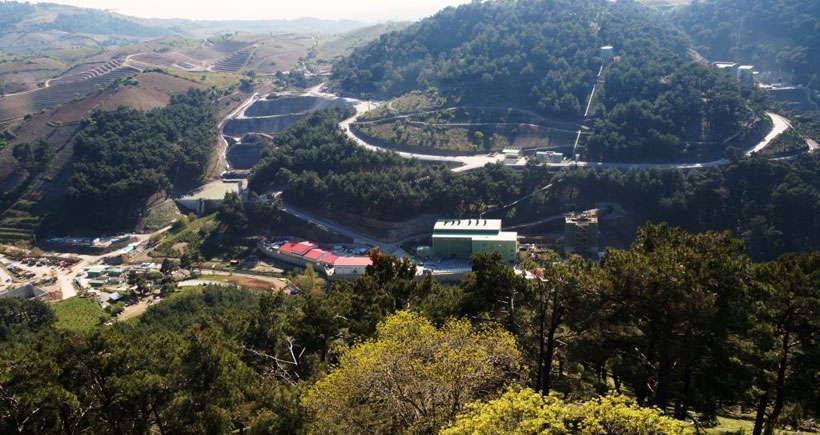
pixel 257 283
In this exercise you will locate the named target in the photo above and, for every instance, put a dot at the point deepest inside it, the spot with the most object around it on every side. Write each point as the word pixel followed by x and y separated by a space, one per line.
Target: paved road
pixel 465 163
pixel 779 125
pixel 390 248
pixel 469 162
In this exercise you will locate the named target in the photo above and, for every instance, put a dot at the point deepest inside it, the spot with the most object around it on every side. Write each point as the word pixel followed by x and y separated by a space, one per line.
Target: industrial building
pixel 512 156
pixel 581 233
pixel 607 53
pixel 730 67
pixel 549 156
pixel 209 197
pixel 301 253
pixel 743 73
pixel 461 238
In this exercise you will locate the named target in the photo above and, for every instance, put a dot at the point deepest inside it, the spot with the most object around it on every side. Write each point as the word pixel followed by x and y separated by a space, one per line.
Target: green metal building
pixel 461 238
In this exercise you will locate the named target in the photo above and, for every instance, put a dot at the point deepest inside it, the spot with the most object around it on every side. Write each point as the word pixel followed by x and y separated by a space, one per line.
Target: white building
pixel 350 266
pixel 210 196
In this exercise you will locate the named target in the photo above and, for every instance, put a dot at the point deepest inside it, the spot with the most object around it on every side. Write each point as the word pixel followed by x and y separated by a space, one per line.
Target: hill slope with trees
pixel 775 35
pixel 124 157
pixel 685 325
pixel 545 56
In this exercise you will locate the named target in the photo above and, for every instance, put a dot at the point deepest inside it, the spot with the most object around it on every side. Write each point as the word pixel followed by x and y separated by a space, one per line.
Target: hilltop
pixel 498 73
pixel 27 28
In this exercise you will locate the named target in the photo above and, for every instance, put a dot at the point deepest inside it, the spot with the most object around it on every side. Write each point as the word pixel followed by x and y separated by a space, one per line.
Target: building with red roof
pixel 315 254
pixel 328 259
pixel 287 248
pixel 302 248
pixel 305 252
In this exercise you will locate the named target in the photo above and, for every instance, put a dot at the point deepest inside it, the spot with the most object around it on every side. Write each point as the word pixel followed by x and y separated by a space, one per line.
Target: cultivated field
pixel 16 106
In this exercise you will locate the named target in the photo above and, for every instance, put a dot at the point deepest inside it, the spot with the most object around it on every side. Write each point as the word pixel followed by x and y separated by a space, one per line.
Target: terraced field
pixel 63 90
pixel 208 51
pixel 230 46
pixel 233 62
pixel 170 60
pixel 17 225
pixel 88 74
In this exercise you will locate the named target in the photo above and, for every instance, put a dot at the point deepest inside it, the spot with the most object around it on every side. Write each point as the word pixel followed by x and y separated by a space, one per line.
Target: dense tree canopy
pixel 773 35
pixel 124 157
pixel 318 166
pixel 652 100
pixel 681 318
pixel 538 53
pixel 678 294
pixel 772 205
pixel 786 334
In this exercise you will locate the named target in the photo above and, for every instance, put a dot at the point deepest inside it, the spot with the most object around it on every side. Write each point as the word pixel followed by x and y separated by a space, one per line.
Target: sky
pixel 370 11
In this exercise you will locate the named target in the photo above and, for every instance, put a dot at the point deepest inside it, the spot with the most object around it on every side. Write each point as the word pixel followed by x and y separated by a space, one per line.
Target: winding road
pixel 779 125
pixel 468 162
pixel 465 163
pixel 390 248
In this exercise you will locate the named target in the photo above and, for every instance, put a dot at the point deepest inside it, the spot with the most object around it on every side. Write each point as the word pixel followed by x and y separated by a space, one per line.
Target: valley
pixel 570 217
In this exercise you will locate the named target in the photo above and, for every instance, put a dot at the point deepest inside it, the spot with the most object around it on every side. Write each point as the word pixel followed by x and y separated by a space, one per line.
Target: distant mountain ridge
pixel 296 25
pixel 30 28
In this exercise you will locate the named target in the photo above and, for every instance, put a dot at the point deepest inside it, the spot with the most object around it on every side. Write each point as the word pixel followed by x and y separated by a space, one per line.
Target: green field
pixel 78 314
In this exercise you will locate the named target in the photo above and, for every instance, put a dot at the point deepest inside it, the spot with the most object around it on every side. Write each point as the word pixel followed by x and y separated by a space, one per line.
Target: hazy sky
pixel 361 10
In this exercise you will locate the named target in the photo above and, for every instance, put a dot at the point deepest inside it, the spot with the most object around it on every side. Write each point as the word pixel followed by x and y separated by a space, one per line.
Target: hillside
pixel 655 100
pixel 34 193
pixel 779 36
pixel 27 28
pixel 45 97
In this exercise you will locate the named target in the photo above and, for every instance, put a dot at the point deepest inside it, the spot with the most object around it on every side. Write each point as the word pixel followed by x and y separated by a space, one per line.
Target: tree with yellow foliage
pixel 525 412
pixel 413 377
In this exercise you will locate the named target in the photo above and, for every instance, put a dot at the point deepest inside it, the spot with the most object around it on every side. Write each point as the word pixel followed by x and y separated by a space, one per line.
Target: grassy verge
pixel 731 425
pixel 190 234
pixel 78 314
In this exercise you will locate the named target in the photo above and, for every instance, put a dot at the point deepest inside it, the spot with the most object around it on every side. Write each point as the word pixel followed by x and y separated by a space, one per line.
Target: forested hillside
pixel 318 166
pixel 124 157
pixel 773 205
pixel 684 322
pixel 542 54
pixel 545 56
pixel 773 35
pixel 656 103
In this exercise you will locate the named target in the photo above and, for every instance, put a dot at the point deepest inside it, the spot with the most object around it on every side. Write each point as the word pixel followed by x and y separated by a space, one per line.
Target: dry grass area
pixel 23 75
pixel 341 45
pixel 257 283
pixel 280 53
pixel 152 90
pixel 252 282
pixel 134 310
